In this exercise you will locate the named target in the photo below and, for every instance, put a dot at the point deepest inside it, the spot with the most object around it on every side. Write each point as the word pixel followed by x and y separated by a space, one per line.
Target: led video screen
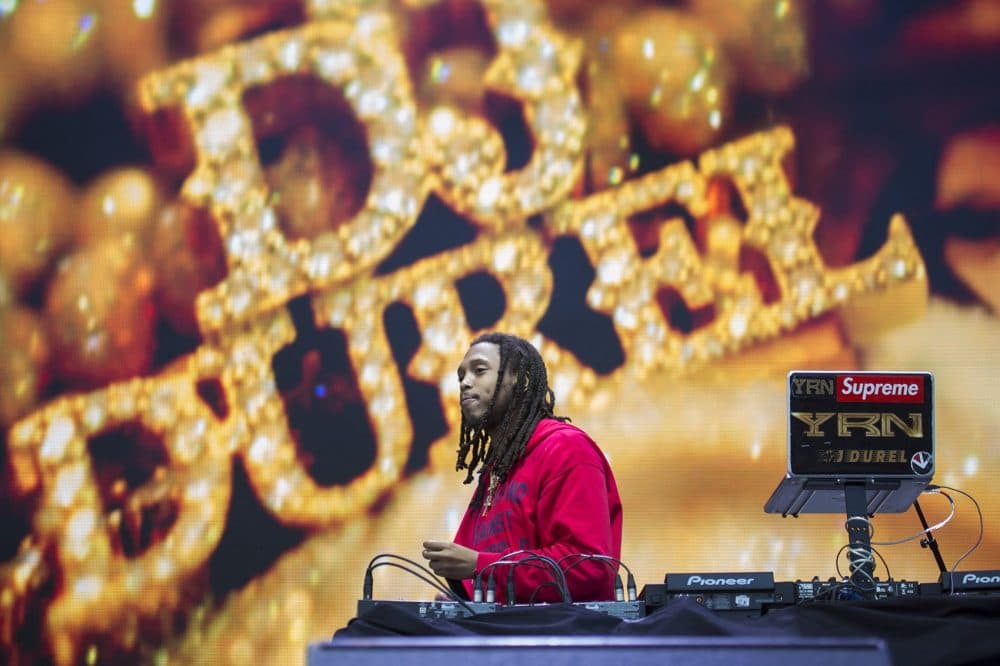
pixel 245 245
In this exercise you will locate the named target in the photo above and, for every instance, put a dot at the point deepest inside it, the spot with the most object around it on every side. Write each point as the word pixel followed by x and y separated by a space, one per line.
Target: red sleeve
pixel 573 516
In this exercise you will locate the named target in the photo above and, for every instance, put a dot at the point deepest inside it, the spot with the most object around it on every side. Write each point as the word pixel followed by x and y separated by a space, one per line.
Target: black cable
pixel 827 591
pixel 559 576
pixel 850 583
pixel 550 565
pixel 413 563
pixel 587 558
pixel 502 558
pixel 507 560
pixel 430 581
pixel 874 584
pixel 401 558
pixel 888 574
pixel 594 556
pixel 607 559
pixel 477 581
pixel 433 581
pixel 557 571
pixel 552 583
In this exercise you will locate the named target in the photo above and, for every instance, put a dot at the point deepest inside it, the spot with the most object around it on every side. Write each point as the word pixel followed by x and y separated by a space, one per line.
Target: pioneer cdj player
pixel 756 592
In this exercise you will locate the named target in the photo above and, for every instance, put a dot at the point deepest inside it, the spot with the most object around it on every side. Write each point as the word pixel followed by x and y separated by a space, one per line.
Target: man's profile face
pixel 477 380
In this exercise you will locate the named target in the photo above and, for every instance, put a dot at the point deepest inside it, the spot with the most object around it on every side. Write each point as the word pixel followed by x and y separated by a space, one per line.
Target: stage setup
pixel 733 617
pixel 900 630
pixel 738 258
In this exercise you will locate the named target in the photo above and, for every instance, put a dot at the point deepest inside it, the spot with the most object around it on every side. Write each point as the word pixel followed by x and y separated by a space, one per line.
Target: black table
pixel 906 630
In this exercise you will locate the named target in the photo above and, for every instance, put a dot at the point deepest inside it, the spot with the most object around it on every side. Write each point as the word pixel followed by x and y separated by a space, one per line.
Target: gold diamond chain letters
pixel 415 152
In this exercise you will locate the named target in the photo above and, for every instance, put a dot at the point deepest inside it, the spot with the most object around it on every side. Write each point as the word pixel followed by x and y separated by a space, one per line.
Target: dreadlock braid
pixel 531 401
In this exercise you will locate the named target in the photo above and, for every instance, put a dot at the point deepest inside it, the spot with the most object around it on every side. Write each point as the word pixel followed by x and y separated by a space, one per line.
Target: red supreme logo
pixel 880 388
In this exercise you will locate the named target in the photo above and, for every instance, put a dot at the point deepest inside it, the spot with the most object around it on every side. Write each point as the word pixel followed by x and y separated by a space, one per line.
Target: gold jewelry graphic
pixel 244 322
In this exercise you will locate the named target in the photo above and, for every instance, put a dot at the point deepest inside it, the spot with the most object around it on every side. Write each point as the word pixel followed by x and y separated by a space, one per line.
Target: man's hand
pixel 450 560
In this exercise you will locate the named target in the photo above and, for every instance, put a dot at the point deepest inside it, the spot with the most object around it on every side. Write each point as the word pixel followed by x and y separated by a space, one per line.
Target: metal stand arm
pixel 859 540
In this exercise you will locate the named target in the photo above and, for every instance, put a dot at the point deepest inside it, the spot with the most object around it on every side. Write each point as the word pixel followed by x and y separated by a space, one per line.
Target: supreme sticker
pixel 880 388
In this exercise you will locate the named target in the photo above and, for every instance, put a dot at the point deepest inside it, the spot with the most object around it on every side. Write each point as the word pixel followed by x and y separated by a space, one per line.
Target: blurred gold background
pixel 244 244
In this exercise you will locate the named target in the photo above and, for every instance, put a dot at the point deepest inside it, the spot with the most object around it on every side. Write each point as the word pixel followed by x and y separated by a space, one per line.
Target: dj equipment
pixel 452 610
pixel 748 593
pixel 438 610
pixel 755 592
pixel 625 610
pixel 984 583
pixel 839 590
pixel 859 443
pixel 626 606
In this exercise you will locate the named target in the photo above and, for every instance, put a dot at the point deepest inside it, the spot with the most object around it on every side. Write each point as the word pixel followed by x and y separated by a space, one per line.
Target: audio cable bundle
pixel 524 558
pixel 418 570
pixel 862 584
pixel 484 583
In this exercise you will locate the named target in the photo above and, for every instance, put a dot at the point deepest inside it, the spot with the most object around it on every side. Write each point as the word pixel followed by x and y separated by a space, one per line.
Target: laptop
pixel 874 429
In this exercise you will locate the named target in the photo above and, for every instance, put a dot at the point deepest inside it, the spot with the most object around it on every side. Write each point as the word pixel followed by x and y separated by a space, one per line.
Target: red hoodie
pixel 559 499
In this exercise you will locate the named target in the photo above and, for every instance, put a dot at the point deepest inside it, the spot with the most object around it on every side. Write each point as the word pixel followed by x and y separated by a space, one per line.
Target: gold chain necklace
pixel 494 482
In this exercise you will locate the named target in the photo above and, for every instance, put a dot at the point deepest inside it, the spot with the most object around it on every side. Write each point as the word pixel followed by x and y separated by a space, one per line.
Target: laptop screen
pixel 860 424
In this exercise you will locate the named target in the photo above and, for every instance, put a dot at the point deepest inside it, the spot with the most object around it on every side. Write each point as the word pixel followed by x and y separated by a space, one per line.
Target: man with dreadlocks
pixel 543 485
